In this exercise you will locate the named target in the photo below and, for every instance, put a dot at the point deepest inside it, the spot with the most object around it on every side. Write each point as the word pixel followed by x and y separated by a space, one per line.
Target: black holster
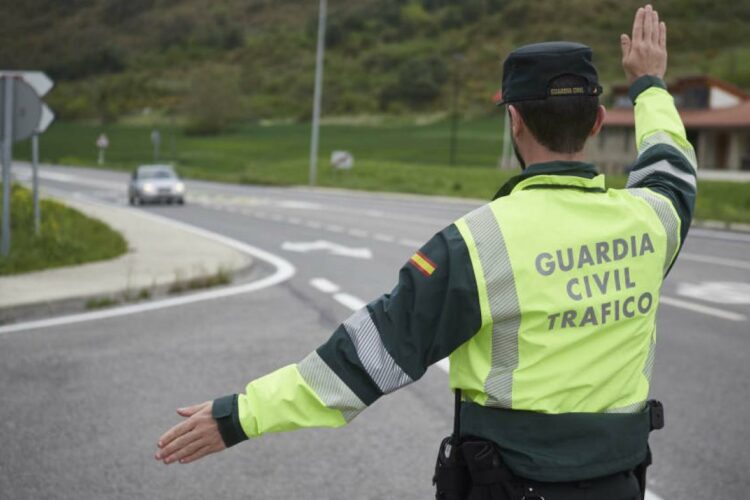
pixel 451 477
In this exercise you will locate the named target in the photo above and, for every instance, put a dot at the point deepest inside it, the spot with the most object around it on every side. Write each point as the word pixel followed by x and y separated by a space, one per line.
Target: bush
pixel 214 102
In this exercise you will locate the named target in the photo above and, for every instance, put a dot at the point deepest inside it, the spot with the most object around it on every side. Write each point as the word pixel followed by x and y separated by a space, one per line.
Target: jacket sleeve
pixel 665 171
pixel 433 309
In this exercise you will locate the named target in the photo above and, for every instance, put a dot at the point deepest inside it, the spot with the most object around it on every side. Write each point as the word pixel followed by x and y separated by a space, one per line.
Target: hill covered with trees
pixel 213 63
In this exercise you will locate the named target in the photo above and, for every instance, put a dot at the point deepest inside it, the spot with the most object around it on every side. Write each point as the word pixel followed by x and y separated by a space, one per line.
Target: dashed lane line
pixel 350 301
pixel 324 285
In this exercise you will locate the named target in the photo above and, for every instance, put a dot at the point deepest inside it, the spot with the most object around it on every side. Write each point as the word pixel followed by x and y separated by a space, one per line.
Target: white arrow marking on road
pixel 719 292
pixel 332 248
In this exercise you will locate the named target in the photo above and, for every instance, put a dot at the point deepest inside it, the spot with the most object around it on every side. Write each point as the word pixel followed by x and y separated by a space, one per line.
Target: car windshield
pixel 156 174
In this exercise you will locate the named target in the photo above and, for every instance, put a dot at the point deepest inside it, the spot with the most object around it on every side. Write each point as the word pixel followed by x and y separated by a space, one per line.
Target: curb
pixel 120 292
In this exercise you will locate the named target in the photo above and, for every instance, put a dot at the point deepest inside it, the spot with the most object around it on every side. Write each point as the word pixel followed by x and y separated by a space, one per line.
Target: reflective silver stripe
pixel 664 138
pixel 372 353
pixel 648 366
pixel 329 387
pixel 668 218
pixel 503 301
pixel 632 408
pixel 663 166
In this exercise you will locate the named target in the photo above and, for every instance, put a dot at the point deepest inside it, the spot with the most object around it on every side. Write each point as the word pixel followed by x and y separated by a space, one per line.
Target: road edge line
pixel 284 271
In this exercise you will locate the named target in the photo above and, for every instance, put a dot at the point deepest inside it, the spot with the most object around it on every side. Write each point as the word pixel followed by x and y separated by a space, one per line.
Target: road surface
pixel 82 403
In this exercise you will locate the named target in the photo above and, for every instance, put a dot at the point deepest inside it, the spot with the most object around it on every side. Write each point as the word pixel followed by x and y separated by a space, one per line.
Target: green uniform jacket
pixel 545 300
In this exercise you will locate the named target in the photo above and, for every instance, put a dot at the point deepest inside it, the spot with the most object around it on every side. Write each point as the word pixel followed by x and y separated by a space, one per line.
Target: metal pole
pixel 454 123
pixel 318 92
pixel 35 181
pixel 7 157
pixel 457 58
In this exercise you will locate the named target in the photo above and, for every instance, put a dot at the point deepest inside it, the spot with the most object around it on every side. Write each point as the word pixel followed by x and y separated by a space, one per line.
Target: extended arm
pixel 388 344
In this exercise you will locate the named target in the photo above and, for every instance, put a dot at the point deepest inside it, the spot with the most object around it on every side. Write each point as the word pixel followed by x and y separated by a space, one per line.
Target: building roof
pixel 676 86
pixel 734 117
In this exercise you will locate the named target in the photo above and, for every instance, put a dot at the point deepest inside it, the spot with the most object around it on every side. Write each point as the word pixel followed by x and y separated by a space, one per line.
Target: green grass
pixel 67 237
pixel 397 156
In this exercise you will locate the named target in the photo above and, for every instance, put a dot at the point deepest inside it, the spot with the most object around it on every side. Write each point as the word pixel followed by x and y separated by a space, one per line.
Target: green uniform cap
pixel 528 71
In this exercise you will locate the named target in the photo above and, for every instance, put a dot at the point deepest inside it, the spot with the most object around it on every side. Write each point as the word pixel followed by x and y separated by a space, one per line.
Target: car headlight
pixel 149 188
pixel 179 187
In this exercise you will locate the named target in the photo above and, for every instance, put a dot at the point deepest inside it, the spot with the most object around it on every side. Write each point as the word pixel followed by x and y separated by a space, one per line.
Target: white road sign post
pixel 156 141
pixel 102 142
pixel 23 116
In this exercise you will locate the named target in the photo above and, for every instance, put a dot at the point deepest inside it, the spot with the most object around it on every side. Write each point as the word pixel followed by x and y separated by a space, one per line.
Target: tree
pixel 215 101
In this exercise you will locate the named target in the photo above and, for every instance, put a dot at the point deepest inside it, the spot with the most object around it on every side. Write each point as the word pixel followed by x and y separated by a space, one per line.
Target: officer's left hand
pixel 191 439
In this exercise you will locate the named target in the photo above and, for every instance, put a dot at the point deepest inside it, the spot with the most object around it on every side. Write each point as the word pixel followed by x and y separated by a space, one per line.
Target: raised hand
pixel 646 52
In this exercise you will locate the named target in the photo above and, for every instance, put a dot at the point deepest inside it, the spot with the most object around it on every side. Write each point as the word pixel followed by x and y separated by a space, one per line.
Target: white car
pixel 155 184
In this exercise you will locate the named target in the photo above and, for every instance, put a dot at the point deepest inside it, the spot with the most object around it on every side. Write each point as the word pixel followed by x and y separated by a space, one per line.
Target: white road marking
pixel 324 285
pixel 410 243
pixel 301 205
pixel 718 292
pixel 332 248
pixel 284 271
pixel 335 228
pixel 294 220
pixel 359 233
pixel 650 495
pixel 719 261
pixel 313 224
pixel 349 301
pixel 700 308
pixel 384 237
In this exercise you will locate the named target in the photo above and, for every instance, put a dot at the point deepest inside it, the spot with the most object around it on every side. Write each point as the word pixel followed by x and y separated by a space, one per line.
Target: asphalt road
pixel 81 404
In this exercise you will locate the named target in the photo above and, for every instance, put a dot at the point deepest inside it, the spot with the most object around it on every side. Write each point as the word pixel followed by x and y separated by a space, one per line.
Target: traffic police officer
pixel 545 300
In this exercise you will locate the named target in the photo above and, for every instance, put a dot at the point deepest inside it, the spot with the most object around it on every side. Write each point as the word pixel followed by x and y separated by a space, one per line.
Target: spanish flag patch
pixel 423 264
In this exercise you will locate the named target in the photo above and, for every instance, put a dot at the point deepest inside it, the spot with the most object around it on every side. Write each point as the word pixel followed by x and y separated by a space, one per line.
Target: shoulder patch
pixel 423 264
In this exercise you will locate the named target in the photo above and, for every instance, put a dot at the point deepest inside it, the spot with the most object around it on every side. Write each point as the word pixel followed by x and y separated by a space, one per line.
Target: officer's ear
pixel 601 113
pixel 516 122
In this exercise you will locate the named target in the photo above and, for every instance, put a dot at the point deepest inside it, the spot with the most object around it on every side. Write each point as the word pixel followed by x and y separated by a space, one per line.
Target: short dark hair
pixel 561 123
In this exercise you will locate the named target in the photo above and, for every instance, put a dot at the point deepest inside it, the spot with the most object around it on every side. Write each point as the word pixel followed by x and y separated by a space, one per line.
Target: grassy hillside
pixel 254 58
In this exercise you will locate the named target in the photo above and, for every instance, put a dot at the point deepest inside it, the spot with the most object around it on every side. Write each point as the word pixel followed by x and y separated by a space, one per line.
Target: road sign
pixel 102 142
pixel 27 109
pixel 37 80
pixel 45 120
pixel 332 248
pixel 342 160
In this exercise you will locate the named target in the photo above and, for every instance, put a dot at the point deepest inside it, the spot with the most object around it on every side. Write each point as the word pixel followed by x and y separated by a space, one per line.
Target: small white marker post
pixel 102 142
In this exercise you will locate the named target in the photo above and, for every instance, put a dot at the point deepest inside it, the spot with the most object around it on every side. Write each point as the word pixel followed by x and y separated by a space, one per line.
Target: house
pixel 716 115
